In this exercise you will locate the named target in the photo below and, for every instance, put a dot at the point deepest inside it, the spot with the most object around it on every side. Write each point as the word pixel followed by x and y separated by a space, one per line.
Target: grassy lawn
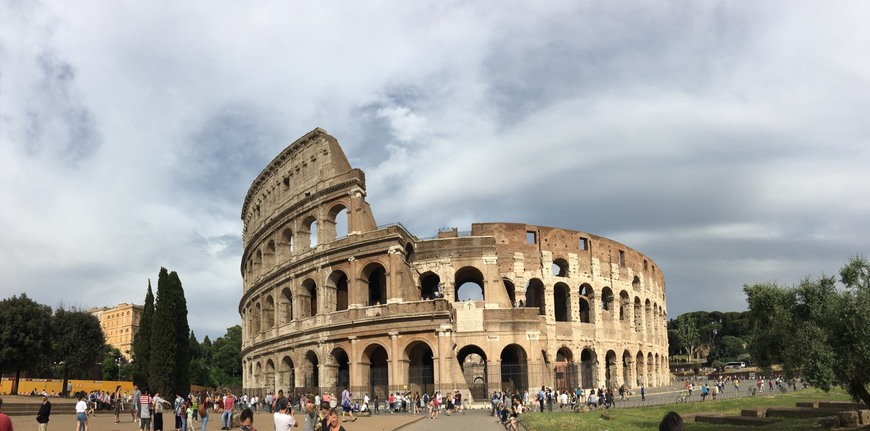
pixel 647 418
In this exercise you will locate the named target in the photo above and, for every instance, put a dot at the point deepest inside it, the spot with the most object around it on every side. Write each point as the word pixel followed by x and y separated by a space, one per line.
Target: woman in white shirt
pixel 81 414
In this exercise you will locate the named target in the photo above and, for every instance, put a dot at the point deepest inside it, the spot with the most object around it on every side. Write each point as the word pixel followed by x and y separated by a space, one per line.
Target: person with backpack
pixel 204 402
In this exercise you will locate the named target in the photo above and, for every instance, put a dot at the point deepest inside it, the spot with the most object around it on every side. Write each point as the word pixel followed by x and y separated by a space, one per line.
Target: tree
pixel 142 340
pixel 816 328
pixel 688 334
pixel 169 338
pixel 77 341
pixel 24 335
pixel 226 358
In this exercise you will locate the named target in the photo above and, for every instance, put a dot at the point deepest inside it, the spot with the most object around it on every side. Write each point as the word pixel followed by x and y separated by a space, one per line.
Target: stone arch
pixel 286 305
pixel 285 244
pixel 560 267
pixel 473 363
pixel 648 314
pixel 308 304
pixel 310 371
pixel 655 375
pixel 638 315
pixel 635 283
pixel 421 367
pixel 257 374
pixel 535 296
pixel 258 262
pixel 511 291
pixel 627 361
pixel 562 302
pixel 514 368
pixel 649 369
pixel 269 254
pixel 567 372
pixel 624 306
pixel 307 235
pixel 607 304
pixel 269 313
pixel 586 296
pixel 341 362
pixel 469 284
pixel 588 368
pixel 269 374
pixel 258 316
pixel 335 225
pixel 429 285
pixel 409 252
pixel 376 365
pixel 640 369
pixel 610 370
pixel 337 281
pixel 375 276
pixel 286 375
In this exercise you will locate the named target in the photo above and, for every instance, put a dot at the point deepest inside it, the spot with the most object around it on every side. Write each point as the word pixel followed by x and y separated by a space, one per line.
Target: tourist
pixel 204 402
pixel 116 399
pixel 44 413
pixel 310 411
pixel 246 420
pixel 145 402
pixel 671 422
pixel 81 413
pixel 6 422
pixel 134 406
pixel 158 412
pixel 284 419
pixel 332 421
pixel 346 408
pixel 227 416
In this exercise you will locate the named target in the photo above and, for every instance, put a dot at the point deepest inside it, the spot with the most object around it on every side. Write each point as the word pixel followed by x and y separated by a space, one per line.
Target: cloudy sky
pixel 728 141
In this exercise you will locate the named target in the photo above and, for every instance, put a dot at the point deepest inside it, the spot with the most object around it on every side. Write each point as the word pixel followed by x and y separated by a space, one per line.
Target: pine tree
pixel 142 340
pixel 164 346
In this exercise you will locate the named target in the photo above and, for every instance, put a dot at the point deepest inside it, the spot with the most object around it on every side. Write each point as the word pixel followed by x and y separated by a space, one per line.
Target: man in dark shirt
pixel 44 413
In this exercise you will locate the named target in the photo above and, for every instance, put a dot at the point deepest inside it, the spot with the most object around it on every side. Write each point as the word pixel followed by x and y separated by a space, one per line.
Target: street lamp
pixel 118 361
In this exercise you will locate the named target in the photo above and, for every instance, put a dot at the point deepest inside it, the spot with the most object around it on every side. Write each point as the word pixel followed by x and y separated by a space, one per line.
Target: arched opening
pixel 285 247
pixel 535 295
pixel 567 372
pixel 587 369
pixel 376 277
pixel 286 306
pixel 409 252
pixel 606 304
pixel 338 219
pixel 310 370
pixel 258 263
pixel 649 369
pixel 338 281
pixel 638 315
pixel 429 283
pixel 560 267
pixel 469 284
pixel 269 376
pixel 258 316
pixel 610 371
pixel 561 302
pixel 511 291
pixel 624 304
pixel 269 255
pixel 514 368
pixel 639 372
pixel 626 368
pixel 421 370
pixel 635 283
pixel 309 299
pixel 647 312
pixel 307 236
pixel 287 376
pixel 269 314
pixel 342 378
pixel 472 361
pixel 258 373
pixel 375 358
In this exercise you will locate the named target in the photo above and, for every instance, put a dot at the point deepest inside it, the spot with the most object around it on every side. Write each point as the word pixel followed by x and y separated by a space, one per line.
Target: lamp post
pixel 118 361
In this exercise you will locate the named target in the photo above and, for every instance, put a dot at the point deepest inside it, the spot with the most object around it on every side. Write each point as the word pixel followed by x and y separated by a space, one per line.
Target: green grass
pixel 647 418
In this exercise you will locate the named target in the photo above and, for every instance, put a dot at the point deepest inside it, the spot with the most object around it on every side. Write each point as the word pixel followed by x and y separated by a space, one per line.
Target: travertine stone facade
pixel 331 300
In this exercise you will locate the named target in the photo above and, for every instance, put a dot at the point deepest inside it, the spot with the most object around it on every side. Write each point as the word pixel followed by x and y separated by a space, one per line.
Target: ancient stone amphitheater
pixel 333 300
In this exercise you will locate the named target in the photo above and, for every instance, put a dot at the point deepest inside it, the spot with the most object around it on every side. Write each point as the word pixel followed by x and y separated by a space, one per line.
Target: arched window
pixel 561 297
pixel 535 295
pixel 376 276
pixel 469 284
pixel 560 267
pixel 429 283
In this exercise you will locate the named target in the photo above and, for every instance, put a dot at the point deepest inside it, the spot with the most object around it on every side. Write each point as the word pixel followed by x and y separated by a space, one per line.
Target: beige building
pixel 119 325
pixel 332 300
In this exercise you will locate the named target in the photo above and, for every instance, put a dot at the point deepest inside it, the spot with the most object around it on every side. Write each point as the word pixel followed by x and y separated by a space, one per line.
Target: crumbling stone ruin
pixel 333 300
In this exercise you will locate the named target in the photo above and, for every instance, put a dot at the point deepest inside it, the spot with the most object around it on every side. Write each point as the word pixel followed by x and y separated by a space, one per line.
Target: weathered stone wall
pixel 380 310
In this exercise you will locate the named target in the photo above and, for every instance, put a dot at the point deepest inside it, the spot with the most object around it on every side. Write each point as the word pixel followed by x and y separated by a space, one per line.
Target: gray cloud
pixel 726 141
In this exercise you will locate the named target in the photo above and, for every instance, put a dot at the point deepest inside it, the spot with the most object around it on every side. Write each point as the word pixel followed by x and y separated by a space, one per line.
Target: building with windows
pixel 331 299
pixel 119 325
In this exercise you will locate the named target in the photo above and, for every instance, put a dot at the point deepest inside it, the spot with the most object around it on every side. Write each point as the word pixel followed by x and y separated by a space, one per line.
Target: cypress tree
pixel 142 340
pixel 182 340
pixel 161 368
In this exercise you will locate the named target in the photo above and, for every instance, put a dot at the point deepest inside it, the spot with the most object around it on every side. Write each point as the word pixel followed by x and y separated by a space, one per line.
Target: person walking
pixel 81 413
pixel 44 413
pixel 116 398
pixel 227 416
pixel 346 408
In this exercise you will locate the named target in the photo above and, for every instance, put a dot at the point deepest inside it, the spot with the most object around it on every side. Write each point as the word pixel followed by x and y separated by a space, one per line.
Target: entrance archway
pixel 472 361
pixel 514 368
pixel 421 369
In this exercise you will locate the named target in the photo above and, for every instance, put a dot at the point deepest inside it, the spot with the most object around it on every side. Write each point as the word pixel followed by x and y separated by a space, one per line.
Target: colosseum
pixel 332 299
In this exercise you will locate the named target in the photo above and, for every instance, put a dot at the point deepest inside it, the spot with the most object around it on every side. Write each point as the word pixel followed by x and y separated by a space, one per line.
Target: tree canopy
pixel 817 327
pixel 142 340
pixel 24 334
pixel 169 338
pixel 77 340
